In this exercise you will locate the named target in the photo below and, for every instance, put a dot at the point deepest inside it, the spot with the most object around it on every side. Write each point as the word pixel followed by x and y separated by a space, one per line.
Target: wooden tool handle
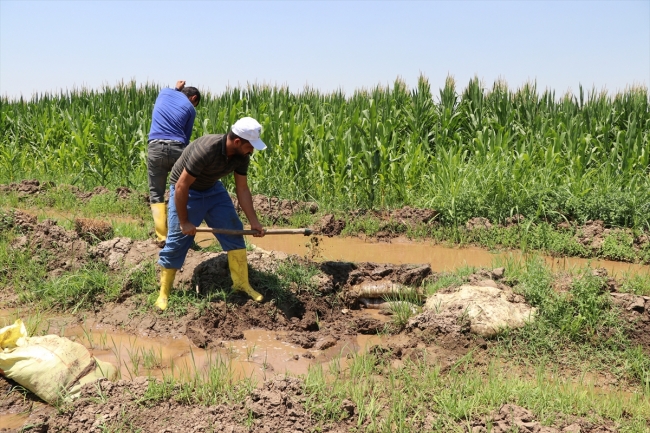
pixel 305 232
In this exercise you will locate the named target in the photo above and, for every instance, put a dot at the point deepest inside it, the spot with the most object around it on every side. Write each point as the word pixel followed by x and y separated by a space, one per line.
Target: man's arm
pixel 181 195
pixel 180 84
pixel 246 203
pixel 189 124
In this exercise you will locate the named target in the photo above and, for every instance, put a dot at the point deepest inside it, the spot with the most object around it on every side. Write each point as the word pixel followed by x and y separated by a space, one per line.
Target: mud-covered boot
pixel 166 281
pixel 239 274
pixel 159 212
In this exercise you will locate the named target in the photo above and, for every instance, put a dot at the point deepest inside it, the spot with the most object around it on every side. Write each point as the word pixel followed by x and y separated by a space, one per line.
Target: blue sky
pixel 52 45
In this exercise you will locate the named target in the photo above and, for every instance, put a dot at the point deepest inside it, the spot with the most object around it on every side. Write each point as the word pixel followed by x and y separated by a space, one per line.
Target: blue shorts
pixel 215 207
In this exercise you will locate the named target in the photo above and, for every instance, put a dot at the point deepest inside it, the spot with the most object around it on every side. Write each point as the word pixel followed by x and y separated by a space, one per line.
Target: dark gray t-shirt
pixel 205 159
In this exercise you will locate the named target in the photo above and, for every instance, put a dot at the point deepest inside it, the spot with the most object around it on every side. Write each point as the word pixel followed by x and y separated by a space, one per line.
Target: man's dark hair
pixel 192 91
pixel 232 136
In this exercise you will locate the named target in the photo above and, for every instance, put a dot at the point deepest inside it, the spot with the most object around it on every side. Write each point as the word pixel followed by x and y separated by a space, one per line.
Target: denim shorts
pixel 215 207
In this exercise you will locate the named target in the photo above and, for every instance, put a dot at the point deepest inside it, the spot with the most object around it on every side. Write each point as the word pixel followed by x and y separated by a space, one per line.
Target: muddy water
pixel 13 421
pixel 402 251
pixel 260 355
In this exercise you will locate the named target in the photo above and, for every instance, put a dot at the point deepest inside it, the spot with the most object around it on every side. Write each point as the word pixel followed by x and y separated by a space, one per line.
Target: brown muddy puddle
pixel 13 420
pixel 260 355
pixel 402 251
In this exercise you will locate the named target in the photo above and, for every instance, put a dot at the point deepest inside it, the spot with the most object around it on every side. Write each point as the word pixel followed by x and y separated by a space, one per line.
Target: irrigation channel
pixel 401 251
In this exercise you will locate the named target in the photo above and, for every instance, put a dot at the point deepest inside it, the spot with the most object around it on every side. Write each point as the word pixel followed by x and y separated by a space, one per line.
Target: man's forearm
pixel 180 199
pixel 246 202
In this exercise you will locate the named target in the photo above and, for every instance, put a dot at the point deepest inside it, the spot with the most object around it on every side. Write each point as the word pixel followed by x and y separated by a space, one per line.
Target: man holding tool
pixel 197 194
pixel 171 129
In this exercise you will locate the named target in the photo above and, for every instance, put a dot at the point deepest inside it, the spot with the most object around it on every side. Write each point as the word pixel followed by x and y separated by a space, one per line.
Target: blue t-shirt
pixel 173 117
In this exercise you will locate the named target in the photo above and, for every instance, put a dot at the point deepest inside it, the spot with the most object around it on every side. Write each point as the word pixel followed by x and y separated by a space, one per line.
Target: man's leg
pixel 172 256
pixel 157 174
pixel 222 214
pixel 161 157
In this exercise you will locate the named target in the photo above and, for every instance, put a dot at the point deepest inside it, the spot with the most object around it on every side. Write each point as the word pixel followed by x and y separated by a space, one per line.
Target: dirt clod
pixel 478 223
pixel 410 215
pixel 92 230
pixel 592 234
pixel 330 226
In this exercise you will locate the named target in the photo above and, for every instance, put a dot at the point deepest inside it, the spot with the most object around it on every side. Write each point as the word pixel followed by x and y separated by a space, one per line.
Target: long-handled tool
pixel 305 232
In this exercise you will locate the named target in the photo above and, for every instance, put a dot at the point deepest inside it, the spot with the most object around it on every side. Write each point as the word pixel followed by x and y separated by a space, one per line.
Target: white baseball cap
pixel 249 129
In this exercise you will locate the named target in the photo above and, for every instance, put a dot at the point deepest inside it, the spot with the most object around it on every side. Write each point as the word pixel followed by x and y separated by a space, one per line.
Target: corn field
pixel 490 152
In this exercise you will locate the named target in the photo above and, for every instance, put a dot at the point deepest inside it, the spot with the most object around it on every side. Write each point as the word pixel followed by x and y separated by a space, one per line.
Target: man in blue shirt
pixel 171 128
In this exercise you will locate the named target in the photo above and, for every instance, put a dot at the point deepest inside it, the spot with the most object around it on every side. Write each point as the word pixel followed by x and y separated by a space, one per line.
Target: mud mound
pixel 34 187
pixel 514 220
pixel 92 230
pixel 487 308
pixel 636 309
pixel 23 221
pixel 515 418
pixel 309 317
pixel 305 314
pixel 410 215
pixel 26 187
pixel 123 252
pixel 206 272
pixel 279 404
pixel 446 329
pixel 345 274
pixel 330 226
pixel 66 250
pixel 61 249
pixel 123 192
pixel 642 241
pixel 592 234
pixel 478 223
pixel 278 210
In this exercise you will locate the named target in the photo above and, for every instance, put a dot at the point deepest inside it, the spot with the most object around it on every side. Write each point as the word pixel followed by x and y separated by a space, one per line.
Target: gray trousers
pixel 161 156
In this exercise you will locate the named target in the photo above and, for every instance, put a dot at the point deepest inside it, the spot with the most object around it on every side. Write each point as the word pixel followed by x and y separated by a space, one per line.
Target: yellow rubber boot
pixel 239 274
pixel 166 281
pixel 159 212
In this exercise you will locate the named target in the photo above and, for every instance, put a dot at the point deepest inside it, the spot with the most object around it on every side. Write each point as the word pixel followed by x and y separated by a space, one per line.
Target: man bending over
pixel 171 128
pixel 197 195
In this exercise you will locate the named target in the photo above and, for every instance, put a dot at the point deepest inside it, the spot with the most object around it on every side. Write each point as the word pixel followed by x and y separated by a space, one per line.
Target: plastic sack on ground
pixel 51 367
